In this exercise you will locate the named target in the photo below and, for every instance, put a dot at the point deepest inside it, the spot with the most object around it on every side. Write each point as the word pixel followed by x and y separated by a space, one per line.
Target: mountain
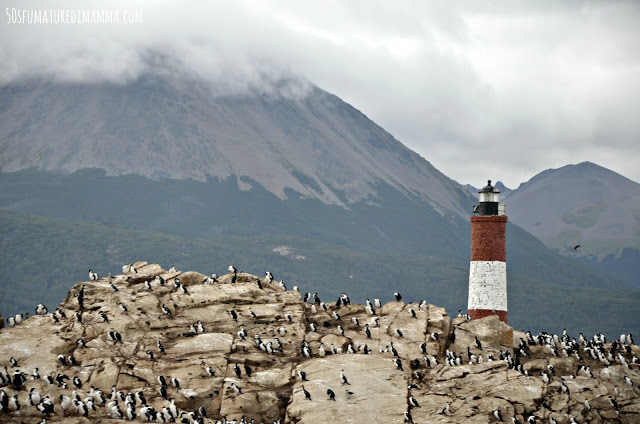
pixel 241 347
pixel 498 185
pixel 169 156
pixel 165 127
pixel 585 205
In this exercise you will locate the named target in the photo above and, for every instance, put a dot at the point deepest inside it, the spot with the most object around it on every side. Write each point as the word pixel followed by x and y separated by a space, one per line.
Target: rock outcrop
pixel 243 346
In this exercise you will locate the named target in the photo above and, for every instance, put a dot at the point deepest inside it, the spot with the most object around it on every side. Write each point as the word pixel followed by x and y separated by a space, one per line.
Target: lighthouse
pixel 488 266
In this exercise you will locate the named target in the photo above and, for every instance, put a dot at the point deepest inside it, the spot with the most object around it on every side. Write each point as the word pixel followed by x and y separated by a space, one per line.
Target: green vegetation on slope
pixel 44 257
pixel 398 225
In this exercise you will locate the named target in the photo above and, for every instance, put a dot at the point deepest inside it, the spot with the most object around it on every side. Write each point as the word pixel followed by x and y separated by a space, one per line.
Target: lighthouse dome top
pixel 489 188
pixel 489 194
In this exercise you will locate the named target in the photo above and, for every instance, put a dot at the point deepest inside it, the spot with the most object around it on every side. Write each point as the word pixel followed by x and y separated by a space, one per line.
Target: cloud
pixel 506 88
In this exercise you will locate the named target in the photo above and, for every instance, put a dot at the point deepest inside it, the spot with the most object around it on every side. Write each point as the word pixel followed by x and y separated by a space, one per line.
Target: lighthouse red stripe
pixel 481 313
pixel 488 238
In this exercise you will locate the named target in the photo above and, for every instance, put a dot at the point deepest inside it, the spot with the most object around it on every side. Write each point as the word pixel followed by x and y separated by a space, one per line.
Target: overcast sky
pixel 499 89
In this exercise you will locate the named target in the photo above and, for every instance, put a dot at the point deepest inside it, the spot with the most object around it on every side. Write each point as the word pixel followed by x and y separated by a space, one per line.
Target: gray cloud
pixel 506 89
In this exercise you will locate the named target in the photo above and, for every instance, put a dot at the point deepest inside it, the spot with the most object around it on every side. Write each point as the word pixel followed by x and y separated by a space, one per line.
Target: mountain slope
pixel 586 205
pixel 399 225
pixel 162 126
pixel 46 256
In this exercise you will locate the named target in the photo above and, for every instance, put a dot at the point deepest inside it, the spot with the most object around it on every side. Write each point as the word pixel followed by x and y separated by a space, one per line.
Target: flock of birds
pixel 119 405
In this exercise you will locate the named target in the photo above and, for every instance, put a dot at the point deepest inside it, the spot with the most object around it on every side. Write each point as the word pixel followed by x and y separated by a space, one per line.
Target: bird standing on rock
pixel 307 395
pixel 234 273
pixel 344 378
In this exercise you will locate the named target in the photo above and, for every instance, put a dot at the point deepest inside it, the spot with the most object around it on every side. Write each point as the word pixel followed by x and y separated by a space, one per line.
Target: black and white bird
pixel 175 382
pixel 115 336
pixel 413 402
pixel 307 395
pixel 129 268
pixel 478 344
pixel 236 388
pixel 302 375
pixel 123 308
pixel 103 316
pixel 498 415
pixel 34 397
pixel 306 351
pixel 413 313
pixel 150 353
pixel 407 417
pixel 93 276
pixel 398 296
pixel 445 409
pixel 234 273
pixel 165 310
pixel 210 371
pixel 41 309
pixel 398 363
pixel 399 333
pixel 14 404
pixel 394 351
pixel 331 394
pixel 344 378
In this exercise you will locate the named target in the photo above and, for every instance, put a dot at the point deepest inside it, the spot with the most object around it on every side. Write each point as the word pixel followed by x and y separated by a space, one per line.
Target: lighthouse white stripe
pixel 488 285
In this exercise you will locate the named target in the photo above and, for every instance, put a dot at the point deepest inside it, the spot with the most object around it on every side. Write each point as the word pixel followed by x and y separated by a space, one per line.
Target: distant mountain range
pixel 584 211
pixel 166 156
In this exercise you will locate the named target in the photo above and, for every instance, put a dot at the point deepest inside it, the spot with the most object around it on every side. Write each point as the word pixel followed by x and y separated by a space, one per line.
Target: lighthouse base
pixel 481 313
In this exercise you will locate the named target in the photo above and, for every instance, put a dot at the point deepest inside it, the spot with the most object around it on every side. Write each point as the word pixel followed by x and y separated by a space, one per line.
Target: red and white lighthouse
pixel 488 267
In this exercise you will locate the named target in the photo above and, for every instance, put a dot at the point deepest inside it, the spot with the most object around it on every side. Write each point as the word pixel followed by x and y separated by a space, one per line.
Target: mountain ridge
pixel 151 125
pixel 584 211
